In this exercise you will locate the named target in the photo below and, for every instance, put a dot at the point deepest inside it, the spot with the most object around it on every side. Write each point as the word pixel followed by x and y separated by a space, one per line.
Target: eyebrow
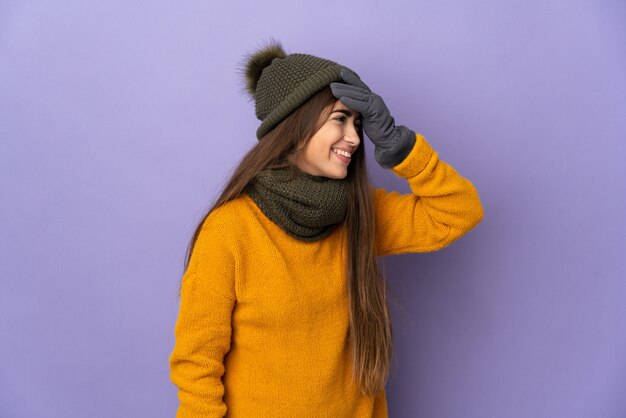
pixel 344 111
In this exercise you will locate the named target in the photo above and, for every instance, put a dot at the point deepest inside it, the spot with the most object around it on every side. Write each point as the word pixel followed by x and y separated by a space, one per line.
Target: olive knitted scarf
pixel 305 206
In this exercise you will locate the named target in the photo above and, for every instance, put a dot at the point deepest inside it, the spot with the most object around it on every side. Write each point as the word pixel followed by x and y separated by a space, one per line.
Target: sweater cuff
pixel 417 159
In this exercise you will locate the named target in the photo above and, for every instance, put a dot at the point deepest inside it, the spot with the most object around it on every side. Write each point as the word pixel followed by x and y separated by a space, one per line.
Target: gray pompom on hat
pixel 279 82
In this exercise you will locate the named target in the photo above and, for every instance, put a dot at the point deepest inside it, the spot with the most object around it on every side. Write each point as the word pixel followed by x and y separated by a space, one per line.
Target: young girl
pixel 283 308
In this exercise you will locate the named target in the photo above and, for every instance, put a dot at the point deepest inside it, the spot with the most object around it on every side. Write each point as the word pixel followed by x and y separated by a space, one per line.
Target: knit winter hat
pixel 280 82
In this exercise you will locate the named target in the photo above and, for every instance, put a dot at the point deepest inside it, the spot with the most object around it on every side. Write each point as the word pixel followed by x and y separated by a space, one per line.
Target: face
pixel 338 132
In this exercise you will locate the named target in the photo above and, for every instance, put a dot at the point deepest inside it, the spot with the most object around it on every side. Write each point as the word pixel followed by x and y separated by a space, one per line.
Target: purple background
pixel 119 122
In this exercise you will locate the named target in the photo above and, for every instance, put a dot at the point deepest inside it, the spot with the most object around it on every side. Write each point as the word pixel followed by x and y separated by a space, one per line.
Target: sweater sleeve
pixel 203 327
pixel 442 208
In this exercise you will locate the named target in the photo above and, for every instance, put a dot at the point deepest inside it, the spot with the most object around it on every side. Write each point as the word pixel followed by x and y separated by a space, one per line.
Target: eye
pixel 342 119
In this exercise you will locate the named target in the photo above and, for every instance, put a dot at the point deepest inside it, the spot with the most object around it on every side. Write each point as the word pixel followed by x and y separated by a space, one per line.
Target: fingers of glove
pixel 342 89
pixel 357 105
pixel 351 78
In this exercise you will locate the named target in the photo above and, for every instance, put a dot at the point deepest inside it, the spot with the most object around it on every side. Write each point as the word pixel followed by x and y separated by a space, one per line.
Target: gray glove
pixel 392 143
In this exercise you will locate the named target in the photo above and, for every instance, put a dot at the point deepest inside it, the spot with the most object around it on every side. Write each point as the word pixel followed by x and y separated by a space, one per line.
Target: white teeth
pixel 341 152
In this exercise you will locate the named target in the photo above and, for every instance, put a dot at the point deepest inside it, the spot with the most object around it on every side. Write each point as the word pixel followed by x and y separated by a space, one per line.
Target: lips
pixel 343 159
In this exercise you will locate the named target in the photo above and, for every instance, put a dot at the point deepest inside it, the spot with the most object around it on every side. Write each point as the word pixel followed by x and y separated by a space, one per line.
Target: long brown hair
pixel 370 321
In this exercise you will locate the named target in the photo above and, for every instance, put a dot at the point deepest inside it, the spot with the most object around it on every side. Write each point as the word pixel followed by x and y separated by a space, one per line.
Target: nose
pixel 352 136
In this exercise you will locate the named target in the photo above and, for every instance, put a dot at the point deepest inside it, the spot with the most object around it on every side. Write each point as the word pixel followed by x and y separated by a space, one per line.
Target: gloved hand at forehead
pixel 392 143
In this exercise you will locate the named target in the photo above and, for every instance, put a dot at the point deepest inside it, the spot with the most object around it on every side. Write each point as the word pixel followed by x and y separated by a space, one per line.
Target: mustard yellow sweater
pixel 263 320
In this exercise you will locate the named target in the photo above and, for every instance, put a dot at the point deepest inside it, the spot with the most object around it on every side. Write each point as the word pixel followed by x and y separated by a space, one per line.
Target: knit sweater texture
pixel 262 328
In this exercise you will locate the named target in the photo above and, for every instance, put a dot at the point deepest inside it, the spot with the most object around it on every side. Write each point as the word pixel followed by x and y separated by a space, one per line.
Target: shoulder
pixel 228 211
pixel 226 223
pixel 381 196
pixel 378 192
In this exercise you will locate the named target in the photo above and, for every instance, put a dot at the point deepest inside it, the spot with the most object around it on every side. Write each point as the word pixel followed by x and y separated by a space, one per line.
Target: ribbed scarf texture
pixel 305 206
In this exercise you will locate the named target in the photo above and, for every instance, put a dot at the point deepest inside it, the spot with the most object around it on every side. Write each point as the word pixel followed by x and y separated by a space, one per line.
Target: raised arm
pixel 443 205
pixel 442 208
pixel 203 327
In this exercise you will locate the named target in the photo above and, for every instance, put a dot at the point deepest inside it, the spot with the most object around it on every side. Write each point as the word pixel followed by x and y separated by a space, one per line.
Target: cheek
pixel 320 148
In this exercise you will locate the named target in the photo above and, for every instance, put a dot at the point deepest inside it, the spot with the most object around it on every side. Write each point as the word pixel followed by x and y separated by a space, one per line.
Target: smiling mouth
pixel 343 159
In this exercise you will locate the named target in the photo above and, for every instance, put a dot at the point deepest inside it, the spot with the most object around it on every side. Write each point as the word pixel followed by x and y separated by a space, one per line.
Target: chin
pixel 334 172
pixel 340 175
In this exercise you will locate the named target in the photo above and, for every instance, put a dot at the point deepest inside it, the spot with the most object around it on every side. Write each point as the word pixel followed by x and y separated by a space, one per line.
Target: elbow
pixel 472 217
pixel 466 220
pixel 478 215
pixel 475 215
